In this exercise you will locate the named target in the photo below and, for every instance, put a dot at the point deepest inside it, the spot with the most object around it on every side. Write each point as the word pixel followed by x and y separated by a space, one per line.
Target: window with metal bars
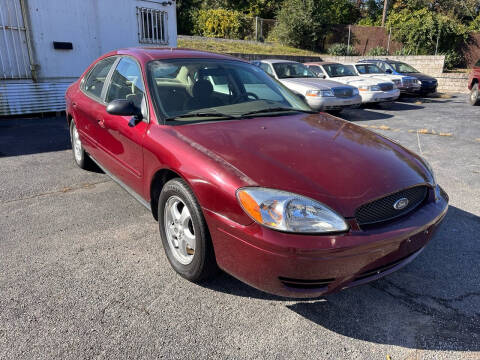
pixel 152 26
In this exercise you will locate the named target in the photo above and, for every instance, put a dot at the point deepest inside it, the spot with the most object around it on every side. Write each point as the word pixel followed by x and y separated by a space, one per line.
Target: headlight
pixel 419 82
pixel 369 88
pixel 285 211
pixel 320 93
pixel 430 169
pixel 355 92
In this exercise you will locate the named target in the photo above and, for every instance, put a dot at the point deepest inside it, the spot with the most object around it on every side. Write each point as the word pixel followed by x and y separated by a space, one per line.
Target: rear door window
pixel 95 80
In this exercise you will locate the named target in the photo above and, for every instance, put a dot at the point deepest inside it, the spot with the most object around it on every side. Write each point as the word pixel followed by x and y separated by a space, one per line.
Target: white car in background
pixel 320 95
pixel 402 82
pixel 371 90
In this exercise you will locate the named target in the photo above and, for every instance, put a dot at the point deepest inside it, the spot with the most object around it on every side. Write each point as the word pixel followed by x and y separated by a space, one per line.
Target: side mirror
pixel 389 71
pixel 324 76
pixel 301 97
pixel 123 107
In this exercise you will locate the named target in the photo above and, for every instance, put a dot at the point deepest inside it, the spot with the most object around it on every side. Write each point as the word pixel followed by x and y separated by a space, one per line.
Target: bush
pixel 404 52
pixel 475 24
pixel 304 23
pixel 377 51
pixel 341 50
pixel 222 23
pixel 453 59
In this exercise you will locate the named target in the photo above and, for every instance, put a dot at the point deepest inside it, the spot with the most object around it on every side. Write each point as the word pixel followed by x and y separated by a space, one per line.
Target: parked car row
pixel 330 86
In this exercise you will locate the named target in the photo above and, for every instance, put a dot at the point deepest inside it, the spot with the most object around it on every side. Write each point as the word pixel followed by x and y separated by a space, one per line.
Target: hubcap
pixel 179 230
pixel 77 145
pixel 474 95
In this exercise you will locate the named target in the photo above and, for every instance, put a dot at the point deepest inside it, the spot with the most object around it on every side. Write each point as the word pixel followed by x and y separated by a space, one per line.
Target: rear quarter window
pixel 95 79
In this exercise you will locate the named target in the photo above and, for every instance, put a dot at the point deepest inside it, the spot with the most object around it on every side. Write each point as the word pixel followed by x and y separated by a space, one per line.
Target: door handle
pixel 101 123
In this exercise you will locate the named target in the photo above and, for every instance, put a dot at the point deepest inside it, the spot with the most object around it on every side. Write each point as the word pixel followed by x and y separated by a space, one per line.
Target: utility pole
pixel 385 8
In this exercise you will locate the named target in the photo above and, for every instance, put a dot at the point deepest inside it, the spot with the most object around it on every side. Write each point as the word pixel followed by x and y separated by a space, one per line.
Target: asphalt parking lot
pixel 83 274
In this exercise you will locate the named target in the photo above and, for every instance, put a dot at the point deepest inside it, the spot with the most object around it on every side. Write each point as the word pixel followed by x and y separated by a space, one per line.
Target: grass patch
pixel 226 46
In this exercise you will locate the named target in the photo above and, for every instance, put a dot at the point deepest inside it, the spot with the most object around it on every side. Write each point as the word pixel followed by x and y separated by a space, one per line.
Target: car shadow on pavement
pixel 432 304
pixel 363 115
pixel 23 136
pixel 398 106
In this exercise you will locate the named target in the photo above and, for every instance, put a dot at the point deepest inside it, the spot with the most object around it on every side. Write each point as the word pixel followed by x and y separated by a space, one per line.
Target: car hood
pixel 317 155
pixel 356 80
pixel 310 83
pixel 383 77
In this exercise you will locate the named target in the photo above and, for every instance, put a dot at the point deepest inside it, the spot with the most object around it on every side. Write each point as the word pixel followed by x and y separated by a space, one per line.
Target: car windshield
pixel 368 69
pixel 292 70
pixel 403 68
pixel 212 89
pixel 339 70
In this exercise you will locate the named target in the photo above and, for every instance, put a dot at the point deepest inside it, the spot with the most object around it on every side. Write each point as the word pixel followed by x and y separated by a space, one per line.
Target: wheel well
pixel 69 119
pixel 160 178
pixel 474 81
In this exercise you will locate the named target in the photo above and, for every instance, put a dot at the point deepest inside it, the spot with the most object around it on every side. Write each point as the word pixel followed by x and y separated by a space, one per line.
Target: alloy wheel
pixel 179 230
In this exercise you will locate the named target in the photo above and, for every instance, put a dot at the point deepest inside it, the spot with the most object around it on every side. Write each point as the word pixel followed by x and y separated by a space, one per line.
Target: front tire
pixel 474 97
pixel 184 232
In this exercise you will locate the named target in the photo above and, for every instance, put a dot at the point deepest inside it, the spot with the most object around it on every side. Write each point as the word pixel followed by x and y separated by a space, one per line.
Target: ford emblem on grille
pixel 400 204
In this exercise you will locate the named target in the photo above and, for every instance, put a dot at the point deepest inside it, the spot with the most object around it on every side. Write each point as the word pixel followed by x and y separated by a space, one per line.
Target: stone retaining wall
pixel 453 82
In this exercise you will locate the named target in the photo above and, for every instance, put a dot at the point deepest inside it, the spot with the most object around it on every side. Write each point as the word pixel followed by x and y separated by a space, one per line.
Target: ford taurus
pixel 241 175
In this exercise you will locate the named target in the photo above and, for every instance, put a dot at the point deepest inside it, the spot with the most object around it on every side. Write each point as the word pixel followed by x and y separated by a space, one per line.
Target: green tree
pixel 304 23
pixel 419 30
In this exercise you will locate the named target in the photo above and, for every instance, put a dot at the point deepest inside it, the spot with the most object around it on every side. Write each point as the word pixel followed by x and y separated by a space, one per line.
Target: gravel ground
pixel 83 274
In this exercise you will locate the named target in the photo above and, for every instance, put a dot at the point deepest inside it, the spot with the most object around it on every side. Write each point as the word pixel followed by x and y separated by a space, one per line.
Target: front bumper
pixel 332 103
pixel 303 266
pixel 427 88
pixel 379 96
pixel 409 88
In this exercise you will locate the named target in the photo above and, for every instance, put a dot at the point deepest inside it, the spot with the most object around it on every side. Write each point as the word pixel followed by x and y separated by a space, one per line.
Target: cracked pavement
pixel 83 274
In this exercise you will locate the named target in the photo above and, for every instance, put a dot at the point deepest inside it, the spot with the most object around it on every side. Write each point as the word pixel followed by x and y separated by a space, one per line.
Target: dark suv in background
pixel 428 83
pixel 473 84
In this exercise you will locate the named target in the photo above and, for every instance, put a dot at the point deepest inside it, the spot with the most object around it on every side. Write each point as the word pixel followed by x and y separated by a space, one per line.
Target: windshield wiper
pixel 202 114
pixel 277 109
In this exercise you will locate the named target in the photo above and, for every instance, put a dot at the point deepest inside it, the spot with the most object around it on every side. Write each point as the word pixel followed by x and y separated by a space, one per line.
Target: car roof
pixel 322 63
pixel 276 61
pixel 146 54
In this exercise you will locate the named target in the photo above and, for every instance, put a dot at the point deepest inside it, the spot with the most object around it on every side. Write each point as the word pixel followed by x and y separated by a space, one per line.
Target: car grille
pixel 385 86
pixel 305 284
pixel 409 82
pixel 383 209
pixel 343 92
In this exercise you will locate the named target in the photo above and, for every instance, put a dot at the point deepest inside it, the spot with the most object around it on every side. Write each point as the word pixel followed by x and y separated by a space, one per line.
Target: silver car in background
pixel 321 95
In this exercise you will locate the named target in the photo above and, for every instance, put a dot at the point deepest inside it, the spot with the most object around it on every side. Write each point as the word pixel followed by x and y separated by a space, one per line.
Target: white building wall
pixel 94 27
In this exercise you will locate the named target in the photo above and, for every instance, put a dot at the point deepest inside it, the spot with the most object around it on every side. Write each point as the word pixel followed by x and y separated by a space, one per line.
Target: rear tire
pixel 80 156
pixel 474 98
pixel 184 232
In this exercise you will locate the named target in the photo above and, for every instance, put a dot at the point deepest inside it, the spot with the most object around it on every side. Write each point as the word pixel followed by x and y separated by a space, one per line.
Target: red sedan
pixel 242 175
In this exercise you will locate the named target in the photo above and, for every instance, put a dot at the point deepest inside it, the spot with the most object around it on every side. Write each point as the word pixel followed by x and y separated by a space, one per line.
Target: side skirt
pixel 128 189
